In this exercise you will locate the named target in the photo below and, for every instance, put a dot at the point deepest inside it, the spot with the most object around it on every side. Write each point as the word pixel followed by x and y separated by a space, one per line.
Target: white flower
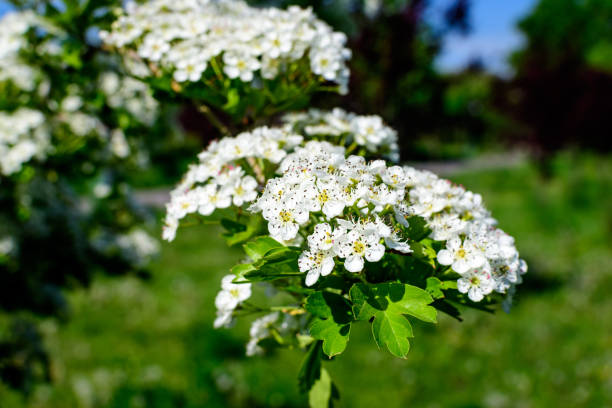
pixel 240 65
pixel 277 43
pixel 7 245
pixel 446 226
pixel 189 69
pixel 169 228
pixel 395 177
pixel 328 198
pixel 382 141
pixel 119 144
pixel 183 204
pixel 316 263
pixel 357 244
pixel 153 48
pixel 395 242
pixel 322 237
pixel 223 319
pixel 210 197
pixel 462 256
pixel 477 283
pixel 24 136
pixel 284 220
pixel 260 329
pixel 230 296
pixel 243 190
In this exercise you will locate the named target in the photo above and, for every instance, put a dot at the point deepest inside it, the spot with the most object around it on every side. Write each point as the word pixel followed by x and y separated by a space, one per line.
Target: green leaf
pixel 434 287
pixel 424 251
pixel 240 271
pixel 233 98
pixel 412 301
pixel 367 300
pixel 335 336
pixel 323 392
pixel 445 307
pixel 329 305
pixel 417 228
pixel 392 331
pixel 407 299
pixel 260 246
pixel 386 304
pixel 238 232
pixel 310 370
pixel 332 317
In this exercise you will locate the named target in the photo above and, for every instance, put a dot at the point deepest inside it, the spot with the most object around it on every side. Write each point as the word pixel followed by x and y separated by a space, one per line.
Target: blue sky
pixel 492 38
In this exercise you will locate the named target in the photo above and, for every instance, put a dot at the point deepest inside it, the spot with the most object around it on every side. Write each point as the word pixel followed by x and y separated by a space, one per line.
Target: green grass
pixel 134 343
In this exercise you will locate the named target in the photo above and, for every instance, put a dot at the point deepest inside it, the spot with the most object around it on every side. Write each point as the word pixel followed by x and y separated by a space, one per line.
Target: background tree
pixel 563 76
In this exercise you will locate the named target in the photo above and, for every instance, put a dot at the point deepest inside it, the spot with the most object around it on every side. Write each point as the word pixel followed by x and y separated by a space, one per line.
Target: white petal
pixel 312 277
pixel 224 319
pixel 445 257
pixel 225 301
pixel 354 263
pixel 327 266
pixel 333 208
pixel 477 260
pixel 375 252
pixel 289 231
pixel 475 294
pixel 463 285
pixel 461 266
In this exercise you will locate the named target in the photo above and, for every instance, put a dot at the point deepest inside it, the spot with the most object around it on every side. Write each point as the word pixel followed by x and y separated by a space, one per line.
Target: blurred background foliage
pixel 131 342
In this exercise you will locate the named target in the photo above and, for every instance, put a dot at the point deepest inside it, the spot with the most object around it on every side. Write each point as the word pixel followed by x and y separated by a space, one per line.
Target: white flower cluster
pixel 222 180
pixel 228 299
pixel 484 256
pixel 138 247
pixel 367 131
pixel 13 26
pixel 262 328
pixel 130 94
pixel 23 136
pixel 7 246
pixel 186 37
pixel 359 209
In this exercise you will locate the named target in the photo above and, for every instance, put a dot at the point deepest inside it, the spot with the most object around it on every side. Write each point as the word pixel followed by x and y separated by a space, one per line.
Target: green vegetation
pixel 134 343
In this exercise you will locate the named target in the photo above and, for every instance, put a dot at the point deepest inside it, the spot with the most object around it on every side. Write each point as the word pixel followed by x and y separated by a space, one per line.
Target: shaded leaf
pixel 417 228
pixel 310 371
pixel 237 232
pixel 445 307
pixel 329 305
pixel 335 336
pixel 323 392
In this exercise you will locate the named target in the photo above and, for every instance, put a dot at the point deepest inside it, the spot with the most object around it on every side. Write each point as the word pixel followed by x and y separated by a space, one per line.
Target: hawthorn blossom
pixel 336 207
pixel 248 43
pixel 461 256
pixel 359 243
pixel 477 283
pixel 230 296
pixel 285 219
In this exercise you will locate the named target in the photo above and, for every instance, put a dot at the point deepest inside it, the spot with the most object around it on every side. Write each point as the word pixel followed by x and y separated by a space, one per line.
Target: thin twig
pixel 214 120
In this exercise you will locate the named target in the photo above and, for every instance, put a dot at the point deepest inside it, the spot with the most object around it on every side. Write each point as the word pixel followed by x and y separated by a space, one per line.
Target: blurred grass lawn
pixel 131 343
